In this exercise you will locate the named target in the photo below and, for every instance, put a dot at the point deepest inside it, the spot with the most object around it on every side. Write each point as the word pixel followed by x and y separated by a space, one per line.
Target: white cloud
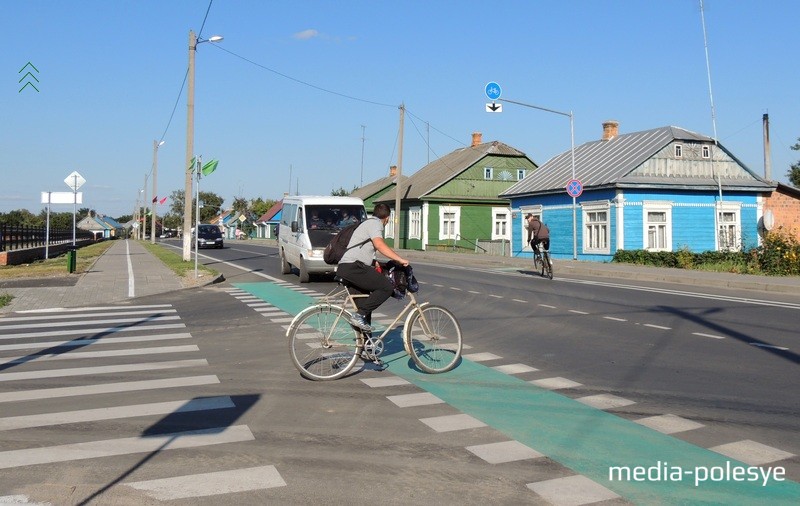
pixel 306 34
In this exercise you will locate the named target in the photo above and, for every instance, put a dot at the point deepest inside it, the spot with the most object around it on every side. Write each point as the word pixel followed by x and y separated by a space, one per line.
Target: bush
pixel 779 254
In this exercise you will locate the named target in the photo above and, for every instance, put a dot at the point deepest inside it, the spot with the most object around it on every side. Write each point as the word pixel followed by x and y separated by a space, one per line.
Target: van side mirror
pixel 294 226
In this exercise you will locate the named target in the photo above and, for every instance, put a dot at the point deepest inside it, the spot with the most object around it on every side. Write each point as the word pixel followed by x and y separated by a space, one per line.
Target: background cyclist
pixel 538 233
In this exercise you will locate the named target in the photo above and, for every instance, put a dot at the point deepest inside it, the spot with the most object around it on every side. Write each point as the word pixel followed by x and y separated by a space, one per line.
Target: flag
pixel 154 199
pixel 210 167
pixel 191 164
pixel 162 201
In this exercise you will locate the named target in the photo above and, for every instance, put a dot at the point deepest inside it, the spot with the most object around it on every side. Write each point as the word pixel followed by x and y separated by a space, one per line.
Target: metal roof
pixel 442 170
pixel 375 187
pixel 611 163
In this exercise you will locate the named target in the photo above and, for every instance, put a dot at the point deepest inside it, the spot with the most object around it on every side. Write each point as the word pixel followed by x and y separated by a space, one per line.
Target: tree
pixel 210 206
pixel 341 192
pixel 259 206
pixel 794 170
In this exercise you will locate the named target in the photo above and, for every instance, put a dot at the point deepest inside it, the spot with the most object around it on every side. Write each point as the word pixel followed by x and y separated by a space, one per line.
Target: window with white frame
pixel 415 223
pixel 729 227
pixel 706 151
pixel 501 226
pixel 488 173
pixel 657 226
pixel 389 230
pixel 521 174
pixel 449 220
pixel 596 228
pixel 678 150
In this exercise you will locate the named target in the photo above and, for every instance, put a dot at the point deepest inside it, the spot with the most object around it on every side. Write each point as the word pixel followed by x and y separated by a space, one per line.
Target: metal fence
pixel 15 238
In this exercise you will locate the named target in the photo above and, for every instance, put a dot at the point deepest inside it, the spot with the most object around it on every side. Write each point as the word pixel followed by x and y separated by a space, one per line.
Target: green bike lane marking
pixel 587 440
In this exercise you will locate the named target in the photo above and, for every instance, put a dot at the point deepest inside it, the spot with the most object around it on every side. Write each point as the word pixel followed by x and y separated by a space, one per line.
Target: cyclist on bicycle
pixel 538 233
pixel 356 266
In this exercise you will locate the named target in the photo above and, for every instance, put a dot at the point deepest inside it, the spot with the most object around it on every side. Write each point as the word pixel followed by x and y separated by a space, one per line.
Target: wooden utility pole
pixel 397 184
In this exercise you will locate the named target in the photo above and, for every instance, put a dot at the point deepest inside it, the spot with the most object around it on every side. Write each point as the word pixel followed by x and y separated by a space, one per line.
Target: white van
pixel 308 223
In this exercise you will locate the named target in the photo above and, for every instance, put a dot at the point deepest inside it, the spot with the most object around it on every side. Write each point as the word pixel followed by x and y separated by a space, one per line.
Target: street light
pixel 156 145
pixel 187 187
pixel 572 138
pixel 143 233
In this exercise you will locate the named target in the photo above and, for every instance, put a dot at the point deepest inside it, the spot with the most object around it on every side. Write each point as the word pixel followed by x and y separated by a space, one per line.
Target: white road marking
pixel 93 315
pixel 91 321
pixel 115 412
pixel 547 306
pixel 76 355
pixel 615 318
pixel 572 490
pixel 520 300
pixel 93 341
pixel 101 369
pixel 105 330
pixel 656 326
pixel 84 309
pixel 106 388
pixel 707 335
pixel 125 446
pixel 760 345
pixel 576 311
pixel 208 484
pixel 507 451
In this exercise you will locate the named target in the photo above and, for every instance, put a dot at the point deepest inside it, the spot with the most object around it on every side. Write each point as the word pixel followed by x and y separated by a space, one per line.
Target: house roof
pixel 271 212
pixel 375 187
pixel 442 170
pixel 613 163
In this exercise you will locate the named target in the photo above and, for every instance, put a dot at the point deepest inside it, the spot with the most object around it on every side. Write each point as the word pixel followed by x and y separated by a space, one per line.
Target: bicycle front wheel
pixel 433 339
pixel 322 343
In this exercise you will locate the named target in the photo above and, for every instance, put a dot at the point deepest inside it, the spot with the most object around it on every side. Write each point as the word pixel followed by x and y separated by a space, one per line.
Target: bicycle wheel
pixel 549 264
pixel 432 337
pixel 322 343
pixel 542 266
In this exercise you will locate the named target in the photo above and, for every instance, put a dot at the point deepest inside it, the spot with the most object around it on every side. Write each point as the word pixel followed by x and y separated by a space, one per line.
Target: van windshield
pixel 334 218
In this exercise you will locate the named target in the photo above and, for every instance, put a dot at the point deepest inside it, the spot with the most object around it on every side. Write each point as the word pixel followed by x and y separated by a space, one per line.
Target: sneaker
pixel 360 321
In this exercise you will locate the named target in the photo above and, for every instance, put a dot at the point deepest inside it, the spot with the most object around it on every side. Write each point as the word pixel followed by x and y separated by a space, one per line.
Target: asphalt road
pixel 711 358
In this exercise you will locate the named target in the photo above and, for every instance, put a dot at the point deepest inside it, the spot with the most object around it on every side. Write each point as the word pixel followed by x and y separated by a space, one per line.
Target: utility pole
pixel 397 181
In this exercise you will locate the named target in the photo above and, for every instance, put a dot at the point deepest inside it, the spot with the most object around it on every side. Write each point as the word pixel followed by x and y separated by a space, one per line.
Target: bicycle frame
pixel 347 300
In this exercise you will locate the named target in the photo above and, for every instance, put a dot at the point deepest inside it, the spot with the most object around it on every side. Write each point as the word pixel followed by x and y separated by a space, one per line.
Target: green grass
pixel 174 261
pixel 56 267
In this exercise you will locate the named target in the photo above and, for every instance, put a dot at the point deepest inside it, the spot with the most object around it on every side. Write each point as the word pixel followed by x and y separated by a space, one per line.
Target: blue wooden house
pixel 658 190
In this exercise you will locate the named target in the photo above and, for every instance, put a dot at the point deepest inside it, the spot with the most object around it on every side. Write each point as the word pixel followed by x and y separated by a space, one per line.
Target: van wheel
pixel 285 267
pixel 304 276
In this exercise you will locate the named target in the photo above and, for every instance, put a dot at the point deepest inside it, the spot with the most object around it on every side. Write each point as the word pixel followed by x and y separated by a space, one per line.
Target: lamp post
pixel 156 145
pixel 143 234
pixel 572 139
pixel 187 187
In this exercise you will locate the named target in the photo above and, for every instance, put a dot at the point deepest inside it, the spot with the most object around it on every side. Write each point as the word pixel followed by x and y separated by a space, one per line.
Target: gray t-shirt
pixel 365 232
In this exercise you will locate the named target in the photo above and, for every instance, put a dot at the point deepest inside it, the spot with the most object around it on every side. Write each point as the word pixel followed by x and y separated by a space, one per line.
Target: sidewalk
pixel 124 271
pixel 109 280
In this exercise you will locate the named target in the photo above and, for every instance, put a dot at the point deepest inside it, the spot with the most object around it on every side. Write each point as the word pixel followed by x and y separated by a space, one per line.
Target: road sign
pixel 74 181
pixel 574 188
pixel 62 198
pixel 493 91
pixel 494 107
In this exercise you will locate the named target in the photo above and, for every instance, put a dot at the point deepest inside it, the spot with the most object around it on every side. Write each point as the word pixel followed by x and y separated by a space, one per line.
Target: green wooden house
pixel 452 203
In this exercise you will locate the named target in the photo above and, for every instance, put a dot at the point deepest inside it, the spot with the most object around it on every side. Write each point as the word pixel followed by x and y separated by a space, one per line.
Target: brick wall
pixel 785 206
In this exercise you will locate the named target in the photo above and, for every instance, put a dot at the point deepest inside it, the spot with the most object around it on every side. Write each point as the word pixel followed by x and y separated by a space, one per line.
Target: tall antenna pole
pixel 397 181
pixel 290 179
pixel 363 127
pixel 711 98
pixel 428 140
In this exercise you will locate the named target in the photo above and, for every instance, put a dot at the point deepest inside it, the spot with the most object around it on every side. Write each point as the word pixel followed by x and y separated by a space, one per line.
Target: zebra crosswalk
pixel 121 371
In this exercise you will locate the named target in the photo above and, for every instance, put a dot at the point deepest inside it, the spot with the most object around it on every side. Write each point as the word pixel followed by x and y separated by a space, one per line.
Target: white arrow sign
pixel 74 181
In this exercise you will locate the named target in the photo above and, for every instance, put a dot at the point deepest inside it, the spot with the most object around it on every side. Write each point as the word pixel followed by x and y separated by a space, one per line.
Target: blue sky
pixel 288 89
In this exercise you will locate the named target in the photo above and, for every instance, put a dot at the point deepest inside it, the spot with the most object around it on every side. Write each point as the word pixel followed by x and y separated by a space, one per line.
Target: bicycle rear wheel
pixel 549 265
pixel 432 337
pixel 322 343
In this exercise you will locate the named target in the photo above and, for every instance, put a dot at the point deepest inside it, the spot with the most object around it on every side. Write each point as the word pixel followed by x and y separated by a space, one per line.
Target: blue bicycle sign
pixel 493 91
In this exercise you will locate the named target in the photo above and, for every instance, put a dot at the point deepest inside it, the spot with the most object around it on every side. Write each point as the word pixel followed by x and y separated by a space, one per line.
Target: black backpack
pixel 335 249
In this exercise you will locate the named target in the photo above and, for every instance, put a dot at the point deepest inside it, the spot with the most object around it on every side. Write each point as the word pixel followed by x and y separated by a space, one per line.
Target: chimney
pixel 393 171
pixel 610 129
pixel 477 138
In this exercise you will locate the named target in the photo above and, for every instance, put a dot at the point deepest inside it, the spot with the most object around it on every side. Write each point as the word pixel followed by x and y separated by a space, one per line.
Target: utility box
pixel 72 259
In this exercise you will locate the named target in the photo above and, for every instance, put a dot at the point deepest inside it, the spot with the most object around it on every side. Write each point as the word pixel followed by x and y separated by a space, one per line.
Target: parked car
pixel 209 236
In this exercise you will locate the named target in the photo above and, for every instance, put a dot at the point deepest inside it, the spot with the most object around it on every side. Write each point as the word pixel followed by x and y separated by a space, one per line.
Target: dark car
pixel 209 236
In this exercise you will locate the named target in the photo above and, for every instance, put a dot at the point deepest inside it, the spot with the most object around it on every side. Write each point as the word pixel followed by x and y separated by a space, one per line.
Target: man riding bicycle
pixel 538 233
pixel 356 265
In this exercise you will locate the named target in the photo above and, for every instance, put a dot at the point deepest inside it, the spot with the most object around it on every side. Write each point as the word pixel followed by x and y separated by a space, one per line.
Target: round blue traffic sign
pixel 574 188
pixel 493 91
